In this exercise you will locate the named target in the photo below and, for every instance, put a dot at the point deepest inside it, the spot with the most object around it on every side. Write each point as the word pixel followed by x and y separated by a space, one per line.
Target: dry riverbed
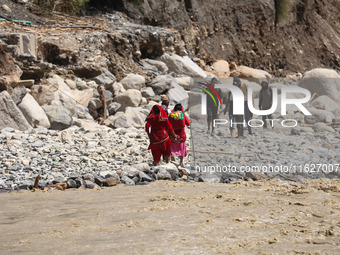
pixel 166 217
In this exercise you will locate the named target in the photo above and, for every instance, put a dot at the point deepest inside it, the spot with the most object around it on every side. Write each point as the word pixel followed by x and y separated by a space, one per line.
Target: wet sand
pixel 275 217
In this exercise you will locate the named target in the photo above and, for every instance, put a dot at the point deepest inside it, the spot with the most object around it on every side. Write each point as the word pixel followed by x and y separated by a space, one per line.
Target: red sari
pixel 160 141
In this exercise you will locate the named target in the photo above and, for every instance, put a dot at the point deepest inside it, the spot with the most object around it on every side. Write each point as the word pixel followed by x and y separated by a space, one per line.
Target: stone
pixel 113 108
pixel 322 127
pixel 185 82
pixel 306 130
pixel 147 92
pixel 64 93
pixel 6 8
pixel 33 112
pixel 130 97
pixel 71 83
pixel 127 181
pixel 110 182
pixel 72 184
pixel 325 103
pixel 318 116
pixel 133 117
pixel 18 94
pixel 210 178
pixel 144 177
pixel 43 94
pixel 142 167
pixel 295 131
pixel 177 94
pixel 10 114
pixel 255 175
pixel 99 180
pixel 66 137
pixel 60 118
pixel 81 85
pixel 322 82
pixel 106 79
pixel 182 65
pixel 90 185
pixel 221 66
pixel 25 83
pixel 87 70
pixel 83 97
pixel 89 177
pixel 116 88
pixel 133 81
pixel 82 112
pixel 155 65
pixel 163 174
pixel 162 83
pixel 248 72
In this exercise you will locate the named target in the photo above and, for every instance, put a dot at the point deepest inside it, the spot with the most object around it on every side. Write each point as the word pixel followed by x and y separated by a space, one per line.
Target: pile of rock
pixel 87 157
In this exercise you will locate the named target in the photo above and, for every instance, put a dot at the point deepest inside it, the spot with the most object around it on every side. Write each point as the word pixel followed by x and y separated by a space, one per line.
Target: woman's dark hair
pixel 156 109
pixel 178 107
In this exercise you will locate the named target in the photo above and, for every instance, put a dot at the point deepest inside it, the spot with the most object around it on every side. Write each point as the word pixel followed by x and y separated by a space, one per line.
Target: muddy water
pixel 273 217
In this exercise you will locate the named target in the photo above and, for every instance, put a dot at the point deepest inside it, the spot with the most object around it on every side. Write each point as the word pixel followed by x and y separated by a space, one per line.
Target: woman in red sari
pixel 179 120
pixel 160 141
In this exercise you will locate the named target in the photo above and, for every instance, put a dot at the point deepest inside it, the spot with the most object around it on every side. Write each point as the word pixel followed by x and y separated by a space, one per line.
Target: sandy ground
pixel 275 217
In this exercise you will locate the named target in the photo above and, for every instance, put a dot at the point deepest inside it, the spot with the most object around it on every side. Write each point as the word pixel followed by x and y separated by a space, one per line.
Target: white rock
pixel 6 8
pixel 33 112
pixel 319 116
pixel 325 103
pixel 221 66
pixel 133 81
pixel 185 82
pixel 248 72
pixel 130 97
pixel 155 65
pixel 322 127
pixel 83 97
pixel 183 65
pixel 177 94
pixel 323 82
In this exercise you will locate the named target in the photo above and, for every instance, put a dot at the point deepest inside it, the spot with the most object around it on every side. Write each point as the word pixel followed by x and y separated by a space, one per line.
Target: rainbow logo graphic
pixel 209 93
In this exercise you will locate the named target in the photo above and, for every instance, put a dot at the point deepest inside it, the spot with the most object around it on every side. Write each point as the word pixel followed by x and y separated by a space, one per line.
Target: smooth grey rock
pixel 163 174
pixel 147 92
pixel 162 84
pixel 33 112
pixel 10 114
pixel 210 178
pixel 18 94
pixel 60 118
pixel 133 81
pixel 105 79
pixel 127 181
pixel 113 108
pixel 130 97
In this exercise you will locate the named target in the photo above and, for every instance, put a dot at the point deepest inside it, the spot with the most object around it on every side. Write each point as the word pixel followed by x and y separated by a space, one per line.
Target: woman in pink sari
pixel 178 121
pixel 160 142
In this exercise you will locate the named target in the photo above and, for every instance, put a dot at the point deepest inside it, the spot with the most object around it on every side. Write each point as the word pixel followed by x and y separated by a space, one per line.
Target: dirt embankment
pixel 244 31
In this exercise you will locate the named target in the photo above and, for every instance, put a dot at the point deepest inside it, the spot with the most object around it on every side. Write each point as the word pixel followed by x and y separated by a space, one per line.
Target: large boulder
pixel 323 82
pixel 155 65
pixel 133 81
pixel 64 93
pixel 33 112
pixel 82 112
pixel 319 116
pixel 18 94
pixel 183 65
pixel 177 94
pixel 106 79
pixel 130 97
pixel 161 84
pixel 147 92
pixel 133 117
pixel 248 72
pixel 83 97
pixel 325 103
pixel 43 94
pixel 10 115
pixel 221 66
pixel 60 118
pixel 185 82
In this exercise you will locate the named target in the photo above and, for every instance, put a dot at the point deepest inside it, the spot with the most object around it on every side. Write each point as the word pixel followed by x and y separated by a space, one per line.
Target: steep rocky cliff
pixel 244 31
